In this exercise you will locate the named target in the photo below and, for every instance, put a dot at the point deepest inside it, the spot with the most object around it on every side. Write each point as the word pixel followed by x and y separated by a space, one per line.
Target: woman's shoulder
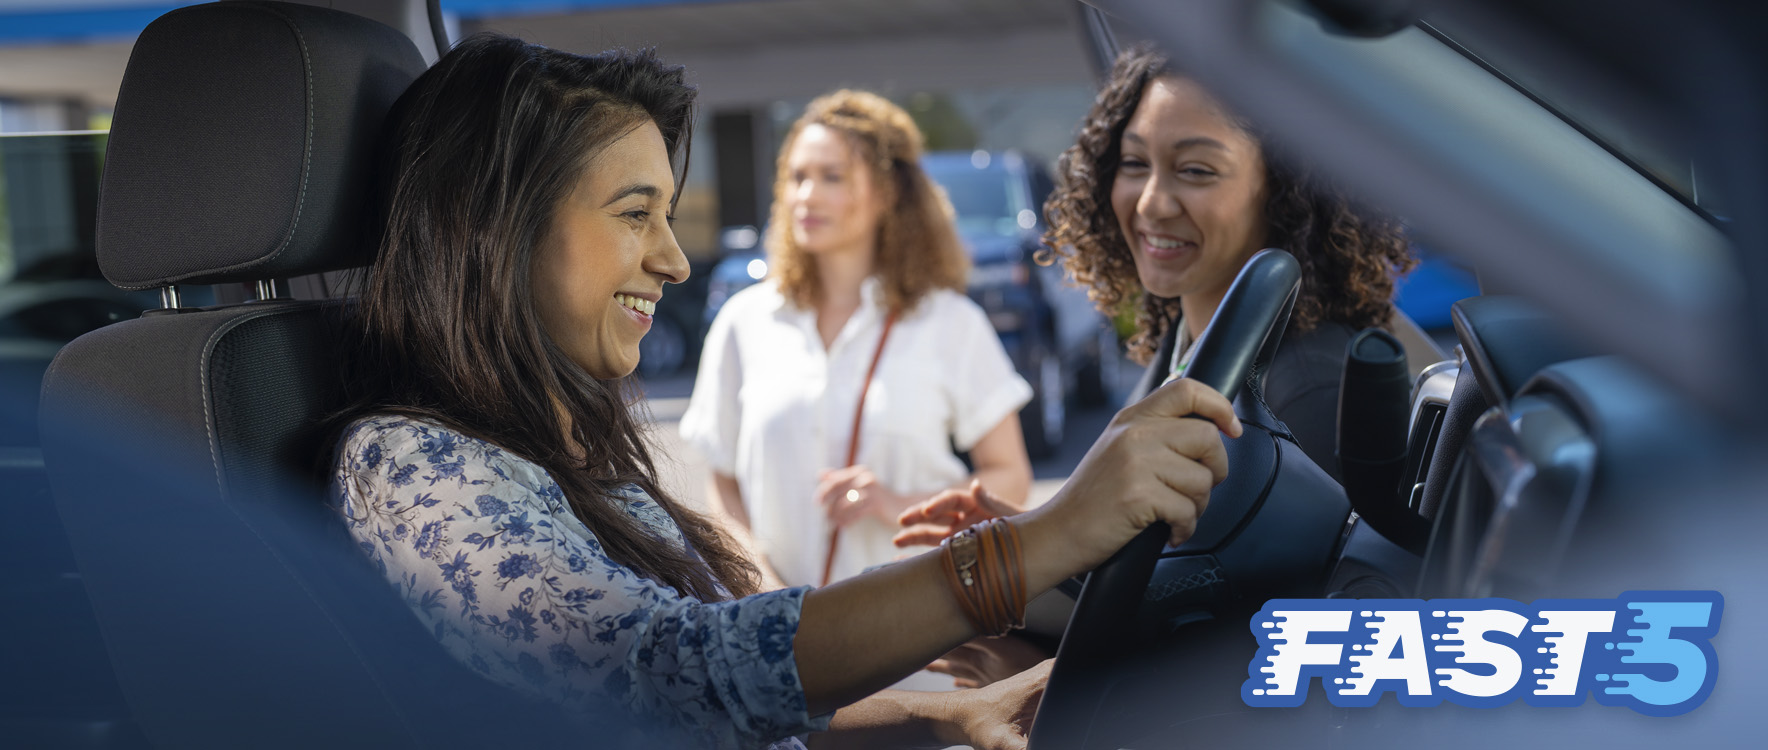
pixel 402 435
pixel 946 307
pixel 947 297
pixel 756 299
pixel 406 449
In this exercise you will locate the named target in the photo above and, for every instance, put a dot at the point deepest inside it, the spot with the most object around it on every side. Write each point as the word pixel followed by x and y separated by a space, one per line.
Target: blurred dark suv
pixel 1057 340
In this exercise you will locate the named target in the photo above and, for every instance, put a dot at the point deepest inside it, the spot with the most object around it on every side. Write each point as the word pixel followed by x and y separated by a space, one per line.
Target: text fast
pixel 1647 650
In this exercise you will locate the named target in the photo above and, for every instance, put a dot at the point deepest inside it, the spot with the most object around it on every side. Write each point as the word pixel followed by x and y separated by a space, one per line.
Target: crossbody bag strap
pixel 853 441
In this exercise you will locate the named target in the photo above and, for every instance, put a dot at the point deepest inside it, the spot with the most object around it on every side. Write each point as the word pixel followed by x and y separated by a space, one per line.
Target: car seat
pixel 184 447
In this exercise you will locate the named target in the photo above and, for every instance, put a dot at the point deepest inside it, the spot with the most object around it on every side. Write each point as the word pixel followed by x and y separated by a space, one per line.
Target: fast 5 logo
pixel 1646 650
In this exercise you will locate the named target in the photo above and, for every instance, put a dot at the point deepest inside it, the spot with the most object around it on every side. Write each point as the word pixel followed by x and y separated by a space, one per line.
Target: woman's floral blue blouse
pixel 484 548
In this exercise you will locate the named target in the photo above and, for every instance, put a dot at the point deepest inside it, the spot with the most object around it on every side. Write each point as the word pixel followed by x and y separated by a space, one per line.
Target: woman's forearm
pixel 725 501
pixel 1151 464
pixel 858 636
pixel 1004 483
pixel 1002 464
pixel 892 719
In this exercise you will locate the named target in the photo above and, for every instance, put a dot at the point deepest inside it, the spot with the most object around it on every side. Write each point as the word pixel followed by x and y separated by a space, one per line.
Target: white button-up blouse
pixel 773 408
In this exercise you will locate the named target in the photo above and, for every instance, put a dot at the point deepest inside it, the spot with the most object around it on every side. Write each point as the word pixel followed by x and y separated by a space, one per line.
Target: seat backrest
pixel 184 448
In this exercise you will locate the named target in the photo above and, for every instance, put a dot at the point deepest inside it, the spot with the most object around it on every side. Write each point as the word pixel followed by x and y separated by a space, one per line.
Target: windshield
pixel 1646 143
pixel 982 192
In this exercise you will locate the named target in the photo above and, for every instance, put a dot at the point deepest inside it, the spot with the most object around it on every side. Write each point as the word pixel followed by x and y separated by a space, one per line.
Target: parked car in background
pixel 51 291
pixel 1427 293
pixel 742 263
pixel 673 345
pixel 1058 341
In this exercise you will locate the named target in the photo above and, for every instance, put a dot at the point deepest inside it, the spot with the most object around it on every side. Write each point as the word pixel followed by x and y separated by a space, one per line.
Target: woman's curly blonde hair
pixel 1349 253
pixel 917 245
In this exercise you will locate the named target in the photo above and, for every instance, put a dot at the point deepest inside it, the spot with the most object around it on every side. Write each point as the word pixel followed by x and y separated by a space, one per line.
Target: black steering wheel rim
pixel 1249 319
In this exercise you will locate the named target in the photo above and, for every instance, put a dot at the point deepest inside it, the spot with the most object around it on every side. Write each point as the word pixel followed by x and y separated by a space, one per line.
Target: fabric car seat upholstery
pixel 184 448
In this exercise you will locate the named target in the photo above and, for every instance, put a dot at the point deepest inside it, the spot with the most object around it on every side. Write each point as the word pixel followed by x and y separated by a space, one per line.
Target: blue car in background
pixel 1434 284
pixel 742 263
pixel 1058 341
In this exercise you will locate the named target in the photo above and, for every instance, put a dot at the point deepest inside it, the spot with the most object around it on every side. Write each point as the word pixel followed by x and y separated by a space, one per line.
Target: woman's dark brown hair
pixel 1349 253
pixel 918 249
pixel 484 146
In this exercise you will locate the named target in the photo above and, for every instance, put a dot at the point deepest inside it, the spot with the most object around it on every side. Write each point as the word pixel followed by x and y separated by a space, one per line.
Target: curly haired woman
pixel 1160 202
pixel 865 295
pixel 1165 196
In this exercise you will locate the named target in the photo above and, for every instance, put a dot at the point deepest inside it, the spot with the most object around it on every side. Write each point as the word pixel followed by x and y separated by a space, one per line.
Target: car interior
pixel 1593 431
pixel 1527 459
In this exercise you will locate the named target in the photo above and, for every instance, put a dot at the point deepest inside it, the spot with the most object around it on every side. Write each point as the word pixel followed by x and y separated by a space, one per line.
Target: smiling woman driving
pixel 1159 204
pixel 1164 197
pixel 492 468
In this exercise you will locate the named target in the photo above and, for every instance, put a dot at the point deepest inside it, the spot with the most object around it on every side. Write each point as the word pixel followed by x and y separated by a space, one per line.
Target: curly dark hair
pixel 1349 253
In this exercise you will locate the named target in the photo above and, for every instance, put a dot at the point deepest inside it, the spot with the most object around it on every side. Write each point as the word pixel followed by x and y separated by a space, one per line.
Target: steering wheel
pixel 1252 315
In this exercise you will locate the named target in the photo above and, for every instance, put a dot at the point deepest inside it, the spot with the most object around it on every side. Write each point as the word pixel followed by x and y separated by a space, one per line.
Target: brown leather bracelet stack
pixel 987 572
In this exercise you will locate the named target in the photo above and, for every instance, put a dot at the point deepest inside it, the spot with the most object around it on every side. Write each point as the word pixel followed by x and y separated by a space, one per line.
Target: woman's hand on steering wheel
pixel 1153 463
pixel 998 717
pixel 949 512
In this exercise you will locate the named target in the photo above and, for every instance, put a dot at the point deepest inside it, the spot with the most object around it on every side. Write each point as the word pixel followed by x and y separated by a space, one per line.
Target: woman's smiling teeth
pixel 640 305
pixel 1163 243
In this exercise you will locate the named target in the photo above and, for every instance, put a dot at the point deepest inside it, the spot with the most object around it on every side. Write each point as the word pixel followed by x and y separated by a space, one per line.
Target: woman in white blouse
pixel 859 235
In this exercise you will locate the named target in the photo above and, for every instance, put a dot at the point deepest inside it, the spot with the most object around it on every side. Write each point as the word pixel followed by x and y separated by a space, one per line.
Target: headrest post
pixel 169 297
pixel 268 290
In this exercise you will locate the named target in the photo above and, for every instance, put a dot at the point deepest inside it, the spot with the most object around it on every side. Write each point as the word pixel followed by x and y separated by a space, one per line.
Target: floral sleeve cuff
pixel 758 642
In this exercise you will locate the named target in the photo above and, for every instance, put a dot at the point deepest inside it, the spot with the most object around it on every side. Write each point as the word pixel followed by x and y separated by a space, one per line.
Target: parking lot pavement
pixel 683 470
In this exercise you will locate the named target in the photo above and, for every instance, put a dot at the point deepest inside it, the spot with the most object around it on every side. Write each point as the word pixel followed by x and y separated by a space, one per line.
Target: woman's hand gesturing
pixel 948 513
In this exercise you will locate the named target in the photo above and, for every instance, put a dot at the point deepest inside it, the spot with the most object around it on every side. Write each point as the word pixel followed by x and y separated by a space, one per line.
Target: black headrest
pixel 243 144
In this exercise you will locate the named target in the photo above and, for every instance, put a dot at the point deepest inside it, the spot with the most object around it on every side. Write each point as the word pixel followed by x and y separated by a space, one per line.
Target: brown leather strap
pixel 986 570
pixel 853 441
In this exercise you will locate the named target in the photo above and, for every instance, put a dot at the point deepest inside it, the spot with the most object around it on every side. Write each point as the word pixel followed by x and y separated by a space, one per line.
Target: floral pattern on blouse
pixel 485 550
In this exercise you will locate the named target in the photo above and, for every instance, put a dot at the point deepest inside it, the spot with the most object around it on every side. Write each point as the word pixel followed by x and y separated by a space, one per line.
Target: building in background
pixel 992 74
pixel 996 75
pixel 988 74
